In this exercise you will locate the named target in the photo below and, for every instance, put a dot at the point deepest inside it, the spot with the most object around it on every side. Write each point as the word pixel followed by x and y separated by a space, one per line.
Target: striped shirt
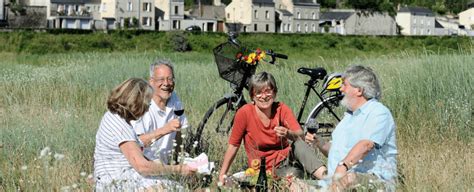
pixel 155 119
pixel 109 160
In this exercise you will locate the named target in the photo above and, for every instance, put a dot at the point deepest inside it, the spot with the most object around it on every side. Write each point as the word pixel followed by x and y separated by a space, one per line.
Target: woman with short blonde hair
pixel 119 164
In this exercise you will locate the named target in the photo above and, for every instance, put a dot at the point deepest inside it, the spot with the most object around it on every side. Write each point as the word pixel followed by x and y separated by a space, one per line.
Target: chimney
pixel 217 3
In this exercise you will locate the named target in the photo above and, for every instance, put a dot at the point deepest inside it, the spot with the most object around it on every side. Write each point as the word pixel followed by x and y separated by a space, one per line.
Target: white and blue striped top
pixel 108 158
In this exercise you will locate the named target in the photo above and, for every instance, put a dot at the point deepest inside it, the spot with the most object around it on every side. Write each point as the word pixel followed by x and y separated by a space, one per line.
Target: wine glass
pixel 178 111
pixel 312 126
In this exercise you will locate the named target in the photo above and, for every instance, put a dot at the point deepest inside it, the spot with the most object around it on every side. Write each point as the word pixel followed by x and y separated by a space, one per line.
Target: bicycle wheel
pixel 327 114
pixel 219 118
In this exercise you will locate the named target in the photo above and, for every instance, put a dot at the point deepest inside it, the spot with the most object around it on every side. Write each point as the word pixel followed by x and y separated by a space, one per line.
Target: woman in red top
pixel 266 127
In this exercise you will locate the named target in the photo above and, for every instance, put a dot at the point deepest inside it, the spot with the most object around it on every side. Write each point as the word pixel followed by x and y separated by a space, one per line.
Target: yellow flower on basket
pixel 250 172
pixel 255 164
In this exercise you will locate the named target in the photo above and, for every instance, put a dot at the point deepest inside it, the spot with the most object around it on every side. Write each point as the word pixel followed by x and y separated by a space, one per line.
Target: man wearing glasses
pixel 160 128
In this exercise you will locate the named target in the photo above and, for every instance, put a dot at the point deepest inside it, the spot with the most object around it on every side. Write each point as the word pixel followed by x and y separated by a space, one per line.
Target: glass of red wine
pixel 178 111
pixel 312 126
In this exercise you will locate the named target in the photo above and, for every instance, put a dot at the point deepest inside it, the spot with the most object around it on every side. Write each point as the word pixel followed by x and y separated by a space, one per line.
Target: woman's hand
pixel 186 170
pixel 281 131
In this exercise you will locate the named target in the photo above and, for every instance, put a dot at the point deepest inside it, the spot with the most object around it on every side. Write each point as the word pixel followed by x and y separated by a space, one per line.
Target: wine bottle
pixel 261 185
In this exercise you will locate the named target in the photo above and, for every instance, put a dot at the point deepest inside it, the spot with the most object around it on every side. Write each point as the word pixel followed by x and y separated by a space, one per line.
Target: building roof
pixel 263 1
pixel 305 2
pixel 329 16
pixel 438 25
pixel 284 12
pixel 417 10
pixel 209 12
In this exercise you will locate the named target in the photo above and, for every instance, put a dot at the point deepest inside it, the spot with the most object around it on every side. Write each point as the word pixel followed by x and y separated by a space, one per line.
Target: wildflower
pixel 24 167
pixel 83 174
pixel 183 136
pixel 74 186
pixel 65 188
pixel 44 152
pixel 58 156
pixel 90 176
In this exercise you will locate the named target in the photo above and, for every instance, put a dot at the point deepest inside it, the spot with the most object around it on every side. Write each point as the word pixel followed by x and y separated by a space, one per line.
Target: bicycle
pixel 236 68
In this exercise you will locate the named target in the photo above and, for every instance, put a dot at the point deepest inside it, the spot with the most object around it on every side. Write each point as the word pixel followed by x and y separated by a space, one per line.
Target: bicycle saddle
pixel 316 73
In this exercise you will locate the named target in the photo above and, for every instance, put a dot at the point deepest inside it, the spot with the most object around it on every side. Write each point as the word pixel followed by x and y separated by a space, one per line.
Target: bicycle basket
pixel 229 67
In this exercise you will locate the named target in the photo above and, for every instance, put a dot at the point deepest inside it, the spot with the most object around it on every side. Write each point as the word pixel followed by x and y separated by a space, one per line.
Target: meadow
pixel 51 105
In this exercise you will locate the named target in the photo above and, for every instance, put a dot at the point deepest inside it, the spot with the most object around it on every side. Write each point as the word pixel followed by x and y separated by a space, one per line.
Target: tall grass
pixel 57 100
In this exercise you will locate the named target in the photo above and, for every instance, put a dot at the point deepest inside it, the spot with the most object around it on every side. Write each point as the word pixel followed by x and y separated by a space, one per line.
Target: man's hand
pixel 313 139
pixel 172 126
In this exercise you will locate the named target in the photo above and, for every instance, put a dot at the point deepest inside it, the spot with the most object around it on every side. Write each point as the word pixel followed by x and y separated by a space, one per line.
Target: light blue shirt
pixel 372 121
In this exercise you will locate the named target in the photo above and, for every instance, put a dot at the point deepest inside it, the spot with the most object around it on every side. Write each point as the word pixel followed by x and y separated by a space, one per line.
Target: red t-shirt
pixel 260 140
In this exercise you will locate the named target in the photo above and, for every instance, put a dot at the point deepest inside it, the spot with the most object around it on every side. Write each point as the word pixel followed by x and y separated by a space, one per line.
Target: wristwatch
pixel 342 163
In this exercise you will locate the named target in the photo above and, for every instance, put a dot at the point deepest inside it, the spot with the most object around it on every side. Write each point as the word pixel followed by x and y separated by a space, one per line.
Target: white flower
pixel 74 186
pixel 83 174
pixel 58 156
pixel 24 167
pixel 44 152
pixel 90 176
pixel 65 188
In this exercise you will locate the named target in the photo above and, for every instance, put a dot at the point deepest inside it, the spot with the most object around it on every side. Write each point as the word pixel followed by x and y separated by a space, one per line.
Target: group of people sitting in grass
pixel 137 134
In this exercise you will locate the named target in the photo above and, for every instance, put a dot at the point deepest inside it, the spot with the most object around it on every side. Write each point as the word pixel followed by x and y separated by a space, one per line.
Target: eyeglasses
pixel 161 80
pixel 268 93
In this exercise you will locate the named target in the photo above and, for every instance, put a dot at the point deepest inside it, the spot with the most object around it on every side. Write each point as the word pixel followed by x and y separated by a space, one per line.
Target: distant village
pixel 262 16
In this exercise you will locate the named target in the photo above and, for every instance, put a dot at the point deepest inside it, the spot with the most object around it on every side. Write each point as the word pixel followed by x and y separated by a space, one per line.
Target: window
pixel 228 16
pixel 147 7
pixel 421 21
pixel 313 27
pixel 314 16
pixel 176 10
pixel 414 20
pixel 176 24
pixel 289 27
pixel 130 6
pixel 267 15
pixel 306 28
pixel 146 21
pixel 267 27
pixel 254 27
pixel 298 28
pixel 255 14
pixel 298 15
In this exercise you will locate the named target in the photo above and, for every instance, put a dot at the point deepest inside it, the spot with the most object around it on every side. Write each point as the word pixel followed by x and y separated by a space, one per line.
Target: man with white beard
pixel 363 150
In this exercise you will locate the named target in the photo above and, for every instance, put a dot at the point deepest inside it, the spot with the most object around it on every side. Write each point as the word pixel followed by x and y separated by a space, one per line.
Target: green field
pixel 57 101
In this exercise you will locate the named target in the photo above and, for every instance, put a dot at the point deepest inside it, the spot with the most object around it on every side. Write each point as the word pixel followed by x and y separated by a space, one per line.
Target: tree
pixel 371 6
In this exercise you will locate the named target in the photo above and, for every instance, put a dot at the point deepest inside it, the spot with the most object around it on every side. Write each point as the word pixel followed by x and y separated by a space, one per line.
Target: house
pixel 74 14
pixel 251 16
pixel 351 22
pixel 300 16
pixel 207 17
pixel 416 21
pixel 2 10
pixel 466 18
pixel 118 14
pixel 448 26
pixel 169 14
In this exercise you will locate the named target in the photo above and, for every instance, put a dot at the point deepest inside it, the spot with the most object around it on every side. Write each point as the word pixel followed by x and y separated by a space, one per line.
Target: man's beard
pixel 346 103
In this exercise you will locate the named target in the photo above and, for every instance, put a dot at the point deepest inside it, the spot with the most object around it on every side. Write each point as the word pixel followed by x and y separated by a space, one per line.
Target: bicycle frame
pixel 310 85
